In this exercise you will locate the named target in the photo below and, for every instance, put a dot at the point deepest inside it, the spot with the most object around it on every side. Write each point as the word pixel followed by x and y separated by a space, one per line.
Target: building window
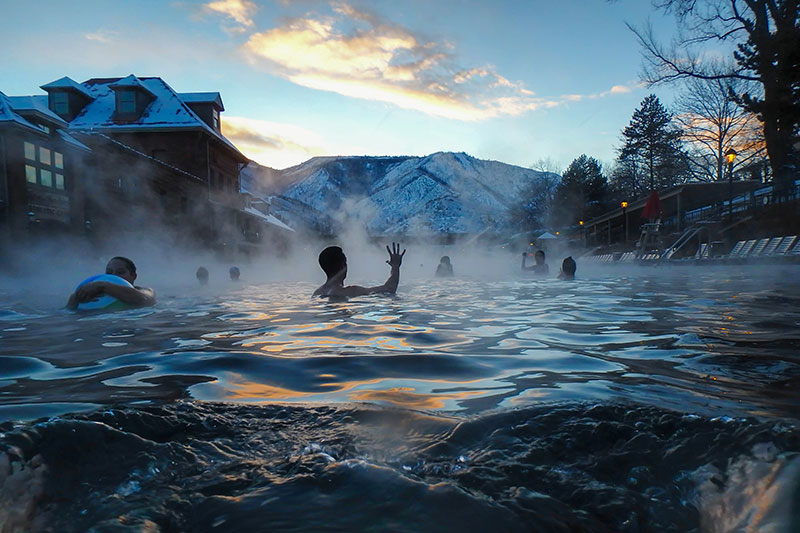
pixel 60 181
pixel 44 155
pixel 215 118
pixel 30 174
pixel 46 177
pixel 61 103
pixel 127 102
pixel 30 151
pixel 59 159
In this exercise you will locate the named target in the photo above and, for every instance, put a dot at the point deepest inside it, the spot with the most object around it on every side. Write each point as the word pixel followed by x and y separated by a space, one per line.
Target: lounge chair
pixel 771 246
pixel 759 247
pixel 748 246
pixel 785 245
pixel 794 250
pixel 736 249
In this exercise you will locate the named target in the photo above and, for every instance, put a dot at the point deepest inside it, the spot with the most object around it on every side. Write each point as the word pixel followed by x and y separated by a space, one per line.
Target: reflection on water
pixel 640 400
pixel 698 341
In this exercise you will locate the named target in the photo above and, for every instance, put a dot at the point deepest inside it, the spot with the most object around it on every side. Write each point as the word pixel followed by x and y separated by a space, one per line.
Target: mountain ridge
pixel 441 193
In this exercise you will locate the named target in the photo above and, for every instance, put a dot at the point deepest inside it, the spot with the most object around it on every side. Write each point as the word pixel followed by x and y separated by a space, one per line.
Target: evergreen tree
pixel 651 157
pixel 581 194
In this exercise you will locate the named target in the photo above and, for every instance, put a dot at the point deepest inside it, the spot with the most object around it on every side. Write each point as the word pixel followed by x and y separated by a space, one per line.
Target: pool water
pixel 627 400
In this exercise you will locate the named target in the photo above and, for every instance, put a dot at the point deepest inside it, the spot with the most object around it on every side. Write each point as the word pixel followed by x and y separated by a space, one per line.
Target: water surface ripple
pixel 639 400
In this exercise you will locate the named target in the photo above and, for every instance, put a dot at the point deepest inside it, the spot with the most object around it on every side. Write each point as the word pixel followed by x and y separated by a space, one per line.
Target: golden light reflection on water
pixel 394 337
pixel 239 389
pixel 405 397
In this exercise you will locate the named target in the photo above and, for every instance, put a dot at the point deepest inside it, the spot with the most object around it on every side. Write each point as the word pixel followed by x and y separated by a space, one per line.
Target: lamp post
pixel 625 214
pixel 583 232
pixel 730 155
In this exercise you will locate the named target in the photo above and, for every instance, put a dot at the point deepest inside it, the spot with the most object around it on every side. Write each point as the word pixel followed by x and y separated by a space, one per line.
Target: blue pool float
pixel 104 301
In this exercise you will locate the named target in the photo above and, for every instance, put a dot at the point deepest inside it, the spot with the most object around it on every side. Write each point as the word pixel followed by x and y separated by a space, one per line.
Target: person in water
pixel 568 268
pixel 202 275
pixel 234 273
pixel 540 267
pixel 445 268
pixel 334 263
pixel 133 296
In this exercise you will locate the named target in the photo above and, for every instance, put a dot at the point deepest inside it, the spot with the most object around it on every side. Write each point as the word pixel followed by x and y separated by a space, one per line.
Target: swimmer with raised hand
pixel 133 296
pixel 334 263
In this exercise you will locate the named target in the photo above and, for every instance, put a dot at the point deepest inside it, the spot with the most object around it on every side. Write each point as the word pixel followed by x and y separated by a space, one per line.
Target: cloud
pixel 273 144
pixel 354 53
pixel 620 89
pixel 102 36
pixel 239 10
pixel 615 90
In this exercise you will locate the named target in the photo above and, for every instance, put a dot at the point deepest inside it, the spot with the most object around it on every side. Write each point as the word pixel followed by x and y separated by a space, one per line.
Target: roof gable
pixel 203 98
pixel 131 82
pixel 8 115
pixel 66 83
pixel 36 107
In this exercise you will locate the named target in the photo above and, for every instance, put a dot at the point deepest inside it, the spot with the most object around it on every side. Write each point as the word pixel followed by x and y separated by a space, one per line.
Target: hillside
pixel 443 193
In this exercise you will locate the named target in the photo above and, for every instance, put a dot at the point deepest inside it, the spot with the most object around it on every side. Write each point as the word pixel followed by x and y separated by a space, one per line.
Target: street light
pixel 625 214
pixel 730 155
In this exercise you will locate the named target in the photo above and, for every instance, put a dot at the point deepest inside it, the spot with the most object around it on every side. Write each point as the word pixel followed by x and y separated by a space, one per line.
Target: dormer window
pixel 215 119
pixel 126 105
pixel 60 103
pixel 131 98
pixel 66 98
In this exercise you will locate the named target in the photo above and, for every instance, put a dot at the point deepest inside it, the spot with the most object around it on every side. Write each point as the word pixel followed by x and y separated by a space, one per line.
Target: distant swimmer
pixel 334 263
pixel 202 275
pixel 540 267
pixel 131 295
pixel 234 273
pixel 445 268
pixel 568 268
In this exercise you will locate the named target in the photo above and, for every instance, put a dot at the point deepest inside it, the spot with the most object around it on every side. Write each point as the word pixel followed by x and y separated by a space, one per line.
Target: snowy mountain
pixel 443 193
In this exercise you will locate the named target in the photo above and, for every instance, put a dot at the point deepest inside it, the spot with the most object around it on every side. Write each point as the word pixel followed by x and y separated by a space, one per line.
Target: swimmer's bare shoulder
pixel 352 290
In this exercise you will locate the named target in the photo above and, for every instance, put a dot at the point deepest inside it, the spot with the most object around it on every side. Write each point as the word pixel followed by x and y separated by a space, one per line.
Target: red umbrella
pixel 652 209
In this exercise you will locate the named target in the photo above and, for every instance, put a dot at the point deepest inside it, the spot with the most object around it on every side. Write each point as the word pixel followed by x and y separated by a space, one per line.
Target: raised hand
pixel 395 257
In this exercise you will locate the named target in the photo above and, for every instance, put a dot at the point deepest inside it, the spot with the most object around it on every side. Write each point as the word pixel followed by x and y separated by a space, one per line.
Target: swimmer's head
pixel 445 259
pixel 333 261
pixel 234 272
pixel 202 275
pixel 122 267
pixel 568 267
pixel 539 257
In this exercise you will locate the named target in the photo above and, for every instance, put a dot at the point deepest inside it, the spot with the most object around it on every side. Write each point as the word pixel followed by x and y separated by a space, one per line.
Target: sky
pixel 516 81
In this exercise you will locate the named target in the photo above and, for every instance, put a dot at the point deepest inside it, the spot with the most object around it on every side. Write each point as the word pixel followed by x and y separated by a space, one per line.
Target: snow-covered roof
pixel 66 83
pixel 8 115
pixel 547 236
pixel 202 98
pixel 36 105
pixel 167 111
pixel 69 139
pixel 131 82
pixel 268 218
